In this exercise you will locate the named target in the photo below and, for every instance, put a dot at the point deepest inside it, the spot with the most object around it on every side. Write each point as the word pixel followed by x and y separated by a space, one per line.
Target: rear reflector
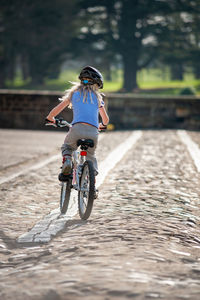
pixel 83 153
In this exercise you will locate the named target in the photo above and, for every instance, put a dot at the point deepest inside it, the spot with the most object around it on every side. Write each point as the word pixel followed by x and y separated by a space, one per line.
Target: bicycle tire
pixel 65 196
pixel 86 194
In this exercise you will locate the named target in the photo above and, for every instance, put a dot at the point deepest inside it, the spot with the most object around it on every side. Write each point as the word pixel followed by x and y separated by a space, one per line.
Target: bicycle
pixel 82 177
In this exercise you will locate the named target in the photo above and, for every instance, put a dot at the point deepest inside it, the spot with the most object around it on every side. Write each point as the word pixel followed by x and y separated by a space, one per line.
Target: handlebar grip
pixel 47 120
pixel 50 123
pixel 103 127
pixel 59 122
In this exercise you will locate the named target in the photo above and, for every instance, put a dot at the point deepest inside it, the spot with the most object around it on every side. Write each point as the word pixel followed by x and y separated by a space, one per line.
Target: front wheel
pixel 86 193
pixel 65 195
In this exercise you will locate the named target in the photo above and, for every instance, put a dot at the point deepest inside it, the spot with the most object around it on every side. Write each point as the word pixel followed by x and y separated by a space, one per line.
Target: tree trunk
pixel 108 75
pixel 2 80
pixel 24 66
pixel 197 71
pixel 177 72
pixel 37 72
pixel 10 69
pixel 130 72
pixel 37 80
pixel 2 74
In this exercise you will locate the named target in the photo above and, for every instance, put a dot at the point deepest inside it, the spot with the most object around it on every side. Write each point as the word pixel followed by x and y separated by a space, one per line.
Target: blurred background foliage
pixel 144 46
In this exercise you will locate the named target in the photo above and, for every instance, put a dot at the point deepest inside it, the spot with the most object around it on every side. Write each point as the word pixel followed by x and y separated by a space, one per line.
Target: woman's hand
pixel 102 126
pixel 50 119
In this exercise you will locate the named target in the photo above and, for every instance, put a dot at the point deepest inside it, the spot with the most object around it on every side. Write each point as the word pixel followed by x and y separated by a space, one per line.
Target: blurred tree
pixel 174 50
pixel 8 41
pixel 95 35
pixel 37 35
pixel 132 28
pixel 195 44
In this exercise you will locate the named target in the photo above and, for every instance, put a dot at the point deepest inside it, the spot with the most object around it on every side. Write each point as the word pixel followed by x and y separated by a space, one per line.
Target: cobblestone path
pixel 142 240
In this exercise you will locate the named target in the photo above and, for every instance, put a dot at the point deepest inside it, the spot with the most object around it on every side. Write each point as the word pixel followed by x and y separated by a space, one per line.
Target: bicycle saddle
pixel 85 143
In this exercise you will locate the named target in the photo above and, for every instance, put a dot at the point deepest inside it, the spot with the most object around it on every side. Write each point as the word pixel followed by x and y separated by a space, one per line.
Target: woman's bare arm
pixel 104 115
pixel 56 110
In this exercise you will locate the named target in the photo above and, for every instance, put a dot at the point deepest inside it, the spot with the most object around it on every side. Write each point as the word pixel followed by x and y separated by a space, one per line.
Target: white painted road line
pixel 54 222
pixel 34 167
pixel 115 156
pixel 191 146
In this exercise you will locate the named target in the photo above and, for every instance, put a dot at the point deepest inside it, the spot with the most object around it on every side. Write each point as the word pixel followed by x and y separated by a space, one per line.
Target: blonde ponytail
pixel 83 89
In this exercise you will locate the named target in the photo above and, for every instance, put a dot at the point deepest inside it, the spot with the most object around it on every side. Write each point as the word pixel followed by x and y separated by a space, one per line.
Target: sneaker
pixel 67 166
pixel 96 193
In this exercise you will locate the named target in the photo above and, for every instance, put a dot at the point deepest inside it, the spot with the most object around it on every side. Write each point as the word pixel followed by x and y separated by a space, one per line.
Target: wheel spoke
pixel 65 196
pixel 84 189
pixel 86 193
pixel 63 193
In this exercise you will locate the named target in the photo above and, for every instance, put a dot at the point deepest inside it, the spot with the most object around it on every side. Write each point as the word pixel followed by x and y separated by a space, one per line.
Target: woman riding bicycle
pixel 87 103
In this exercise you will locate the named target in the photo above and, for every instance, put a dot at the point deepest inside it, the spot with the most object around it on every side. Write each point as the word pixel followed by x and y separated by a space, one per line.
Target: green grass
pixel 155 81
pixel 112 86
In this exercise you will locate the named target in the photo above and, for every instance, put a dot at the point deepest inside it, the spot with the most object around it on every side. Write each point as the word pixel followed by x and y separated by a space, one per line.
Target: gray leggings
pixel 81 131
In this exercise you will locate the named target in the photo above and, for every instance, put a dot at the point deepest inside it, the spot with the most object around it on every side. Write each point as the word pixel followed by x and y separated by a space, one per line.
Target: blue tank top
pixel 87 111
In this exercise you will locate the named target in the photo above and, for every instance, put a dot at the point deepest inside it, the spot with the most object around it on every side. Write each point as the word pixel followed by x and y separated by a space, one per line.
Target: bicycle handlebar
pixel 102 127
pixel 59 122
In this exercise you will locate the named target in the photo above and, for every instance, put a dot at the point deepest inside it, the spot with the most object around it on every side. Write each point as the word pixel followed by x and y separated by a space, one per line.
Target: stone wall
pixel 134 111
pixel 28 109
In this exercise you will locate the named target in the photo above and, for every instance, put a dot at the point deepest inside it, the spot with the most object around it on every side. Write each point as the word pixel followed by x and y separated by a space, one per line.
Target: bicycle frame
pixel 78 157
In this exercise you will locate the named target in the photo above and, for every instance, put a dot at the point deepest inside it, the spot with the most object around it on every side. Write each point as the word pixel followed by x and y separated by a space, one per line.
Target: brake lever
pixel 103 128
pixel 50 123
pixel 58 123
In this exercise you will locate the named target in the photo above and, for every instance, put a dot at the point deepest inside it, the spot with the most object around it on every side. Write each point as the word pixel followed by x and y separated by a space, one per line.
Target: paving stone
pixel 141 241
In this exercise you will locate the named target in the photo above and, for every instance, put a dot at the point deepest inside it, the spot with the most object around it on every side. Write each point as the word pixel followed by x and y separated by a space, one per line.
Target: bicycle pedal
pixel 64 178
pixel 96 194
pixel 75 186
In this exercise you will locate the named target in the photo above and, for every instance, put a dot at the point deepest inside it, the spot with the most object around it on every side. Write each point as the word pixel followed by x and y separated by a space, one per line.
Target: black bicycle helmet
pixel 93 74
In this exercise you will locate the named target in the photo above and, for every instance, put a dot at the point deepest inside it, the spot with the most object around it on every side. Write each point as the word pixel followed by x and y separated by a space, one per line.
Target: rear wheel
pixel 86 194
pixel 65 195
